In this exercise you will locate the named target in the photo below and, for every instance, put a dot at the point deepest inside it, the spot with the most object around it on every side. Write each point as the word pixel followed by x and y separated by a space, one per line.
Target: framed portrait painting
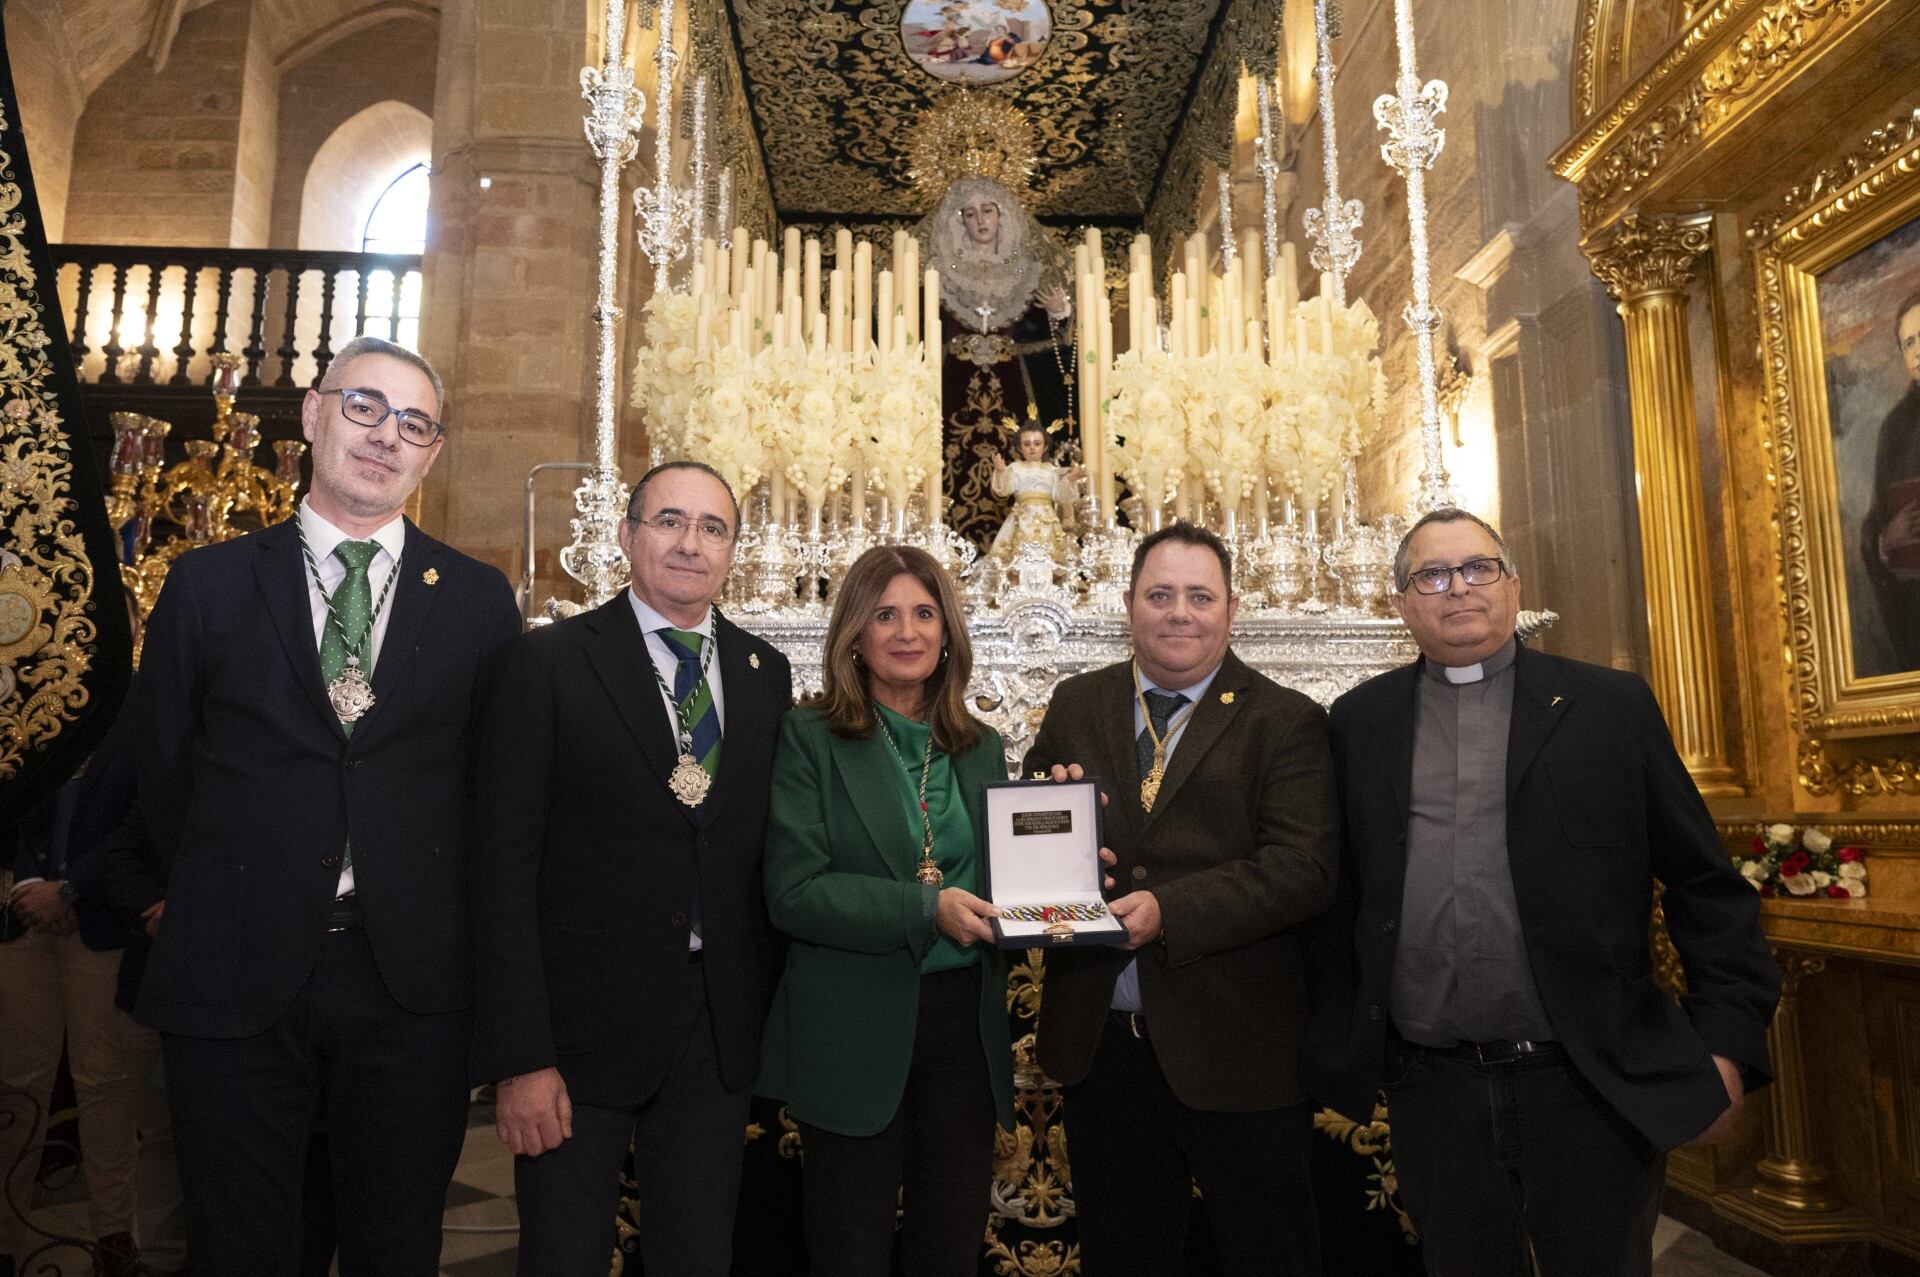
pixel 1840 313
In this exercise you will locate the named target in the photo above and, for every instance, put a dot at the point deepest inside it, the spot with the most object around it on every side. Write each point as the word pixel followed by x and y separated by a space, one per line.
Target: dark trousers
pixel 938 1148
pixel 688 1139
pixel 1497 1160
pixel 1137 1153
pixel 392 1087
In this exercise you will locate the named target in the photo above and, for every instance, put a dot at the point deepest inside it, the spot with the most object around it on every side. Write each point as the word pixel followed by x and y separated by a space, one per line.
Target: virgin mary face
pixel 981 217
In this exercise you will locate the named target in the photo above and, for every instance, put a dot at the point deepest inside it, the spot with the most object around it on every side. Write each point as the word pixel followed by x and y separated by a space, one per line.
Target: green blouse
pixel 953 848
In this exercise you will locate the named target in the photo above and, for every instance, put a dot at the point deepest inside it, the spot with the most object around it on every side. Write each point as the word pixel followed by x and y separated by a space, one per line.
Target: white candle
pixel 1177 313
pixel 862 297
pixel 883 327
pixel 930 323
pixel 810 287
pixel 910 287
pixel 837 310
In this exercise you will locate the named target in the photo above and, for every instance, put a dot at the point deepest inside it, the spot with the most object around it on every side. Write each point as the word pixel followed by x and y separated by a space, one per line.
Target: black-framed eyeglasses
pixel 712 531
pixel 368 411
pixel 1473 572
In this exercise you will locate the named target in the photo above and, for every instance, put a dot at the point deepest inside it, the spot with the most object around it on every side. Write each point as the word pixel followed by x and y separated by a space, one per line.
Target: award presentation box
pixel 1041 854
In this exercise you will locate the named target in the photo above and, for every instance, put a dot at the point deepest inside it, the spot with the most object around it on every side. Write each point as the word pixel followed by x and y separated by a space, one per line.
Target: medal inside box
pixel 1041 846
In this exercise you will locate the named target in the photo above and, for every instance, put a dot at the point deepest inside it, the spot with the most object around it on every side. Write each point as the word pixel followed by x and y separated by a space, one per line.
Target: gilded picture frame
pixel 1843 684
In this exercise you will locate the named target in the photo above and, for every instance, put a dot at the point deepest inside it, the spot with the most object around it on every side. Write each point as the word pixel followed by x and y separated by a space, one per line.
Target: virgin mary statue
pixel 1006 329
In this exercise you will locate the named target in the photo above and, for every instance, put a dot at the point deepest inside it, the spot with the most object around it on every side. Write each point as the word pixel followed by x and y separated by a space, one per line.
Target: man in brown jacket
pixel 1179 1051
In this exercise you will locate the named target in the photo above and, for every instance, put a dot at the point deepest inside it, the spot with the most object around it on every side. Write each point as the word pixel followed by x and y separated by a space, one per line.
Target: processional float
pixel 816 391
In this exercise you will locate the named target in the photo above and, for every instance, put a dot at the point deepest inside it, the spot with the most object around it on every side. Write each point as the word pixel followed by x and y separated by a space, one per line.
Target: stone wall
pixel 48 97
pixel 182 155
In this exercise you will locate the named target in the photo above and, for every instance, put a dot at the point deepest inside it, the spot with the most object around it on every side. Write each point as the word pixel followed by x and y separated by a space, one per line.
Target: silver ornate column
pixel 664 214
pixel 1331 227
pixel 1407 117
pixel 613 131
pixel 1269 175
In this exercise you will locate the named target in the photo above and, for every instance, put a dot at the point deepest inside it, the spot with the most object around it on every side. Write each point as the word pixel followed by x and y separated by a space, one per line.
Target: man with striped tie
pixel 623 957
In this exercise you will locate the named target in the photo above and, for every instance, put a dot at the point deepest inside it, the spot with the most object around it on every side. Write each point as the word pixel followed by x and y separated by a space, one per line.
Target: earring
pixel 943 654
pixel 857 661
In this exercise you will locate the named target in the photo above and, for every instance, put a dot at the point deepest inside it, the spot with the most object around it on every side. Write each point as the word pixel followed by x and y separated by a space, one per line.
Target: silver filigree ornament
pixel 1333 227
pixel 664 215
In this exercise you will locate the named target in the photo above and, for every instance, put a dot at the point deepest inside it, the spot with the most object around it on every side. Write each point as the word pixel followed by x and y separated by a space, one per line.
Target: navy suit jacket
pixel 1599 805
pixel 250 788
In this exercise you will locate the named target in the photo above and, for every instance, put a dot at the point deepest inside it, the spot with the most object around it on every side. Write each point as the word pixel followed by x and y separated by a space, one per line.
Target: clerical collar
pixel 1458 674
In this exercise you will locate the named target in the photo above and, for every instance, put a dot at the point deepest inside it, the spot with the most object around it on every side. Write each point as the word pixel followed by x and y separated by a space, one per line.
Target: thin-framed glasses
pixel 712 531
pixel 368 411
pixel 1473 572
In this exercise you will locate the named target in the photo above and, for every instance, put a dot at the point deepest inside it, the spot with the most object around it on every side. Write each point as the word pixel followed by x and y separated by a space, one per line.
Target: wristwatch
pixel 68 892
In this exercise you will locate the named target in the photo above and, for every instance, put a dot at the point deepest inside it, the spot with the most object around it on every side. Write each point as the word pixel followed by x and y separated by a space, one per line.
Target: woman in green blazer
pixel 888 1036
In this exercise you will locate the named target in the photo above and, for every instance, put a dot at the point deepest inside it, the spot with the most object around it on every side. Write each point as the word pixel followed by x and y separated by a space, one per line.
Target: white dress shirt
pixel 321 538
pixel 666 660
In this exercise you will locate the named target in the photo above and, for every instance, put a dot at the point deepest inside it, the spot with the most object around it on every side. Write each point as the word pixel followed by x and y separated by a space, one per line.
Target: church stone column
pixel 1646 263
pixel 509 272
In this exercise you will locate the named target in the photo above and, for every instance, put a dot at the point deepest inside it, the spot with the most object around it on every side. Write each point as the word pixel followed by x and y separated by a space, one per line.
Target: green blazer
pixel 840 883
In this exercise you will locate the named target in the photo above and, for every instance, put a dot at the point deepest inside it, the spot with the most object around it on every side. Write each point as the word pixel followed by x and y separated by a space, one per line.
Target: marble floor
pixel 481 1222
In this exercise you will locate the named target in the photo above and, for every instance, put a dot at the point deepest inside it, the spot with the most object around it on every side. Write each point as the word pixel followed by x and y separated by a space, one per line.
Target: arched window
pixel 398 220
pixel 397 224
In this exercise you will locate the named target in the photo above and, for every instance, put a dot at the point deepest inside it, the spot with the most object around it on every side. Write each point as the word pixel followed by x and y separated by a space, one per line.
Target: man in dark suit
pixel 306 710
pixel 1178 1052
pixel 1486 958
pixel 624 957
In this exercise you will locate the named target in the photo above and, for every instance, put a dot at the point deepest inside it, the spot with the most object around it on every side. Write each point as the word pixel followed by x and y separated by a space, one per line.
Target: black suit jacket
pixel 100 795
pixel 1239 851
pixel 251 789
pixel 1598 806
pixel 587 864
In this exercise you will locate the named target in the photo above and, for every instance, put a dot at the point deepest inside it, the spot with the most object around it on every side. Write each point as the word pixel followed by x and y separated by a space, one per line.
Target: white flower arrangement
pixel 1785 861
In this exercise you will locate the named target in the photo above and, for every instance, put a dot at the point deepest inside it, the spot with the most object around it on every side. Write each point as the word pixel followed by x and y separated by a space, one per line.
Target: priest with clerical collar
pixel 1486 960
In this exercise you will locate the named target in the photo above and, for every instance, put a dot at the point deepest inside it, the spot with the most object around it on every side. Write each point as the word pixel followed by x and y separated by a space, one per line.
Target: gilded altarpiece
pixel 1759 162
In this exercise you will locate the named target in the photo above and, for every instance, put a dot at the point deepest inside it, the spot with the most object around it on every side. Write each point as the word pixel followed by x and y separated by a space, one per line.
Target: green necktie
pixel 352 607
pixel 694 697
pixel 348 627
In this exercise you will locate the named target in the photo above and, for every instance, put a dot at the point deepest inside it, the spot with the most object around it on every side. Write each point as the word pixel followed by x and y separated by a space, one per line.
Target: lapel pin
pixel 1226 698
pixel 431 576
pixel 753 659
pixel 1556 701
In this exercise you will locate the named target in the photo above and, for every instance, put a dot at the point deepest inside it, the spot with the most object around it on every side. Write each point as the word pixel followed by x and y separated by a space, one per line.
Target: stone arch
pixel 393 61
pixel 353 166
